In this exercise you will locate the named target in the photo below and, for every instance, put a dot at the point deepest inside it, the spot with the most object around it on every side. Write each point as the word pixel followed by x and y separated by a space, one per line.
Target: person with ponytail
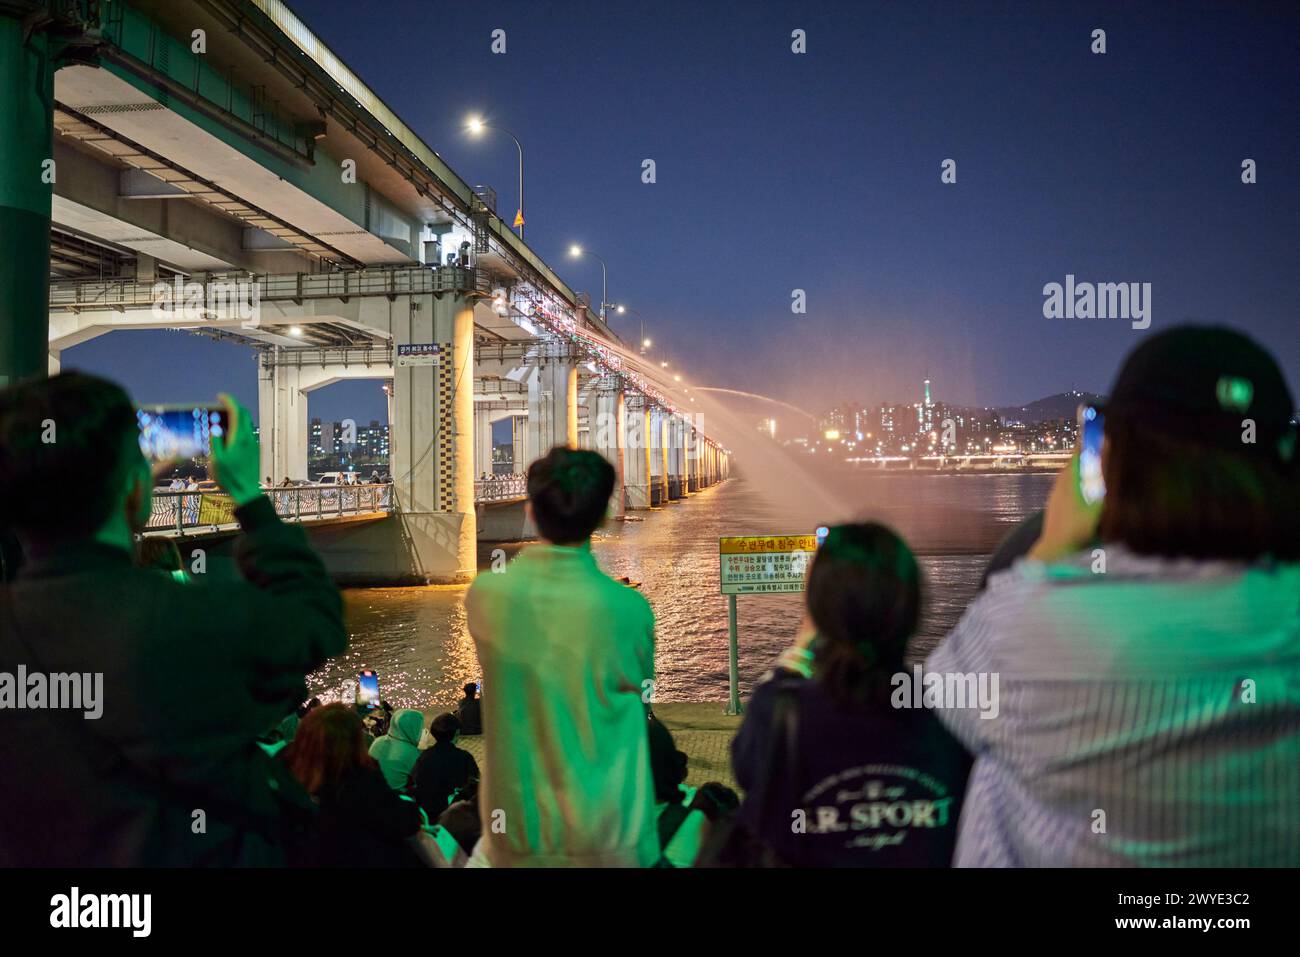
pixel 841 764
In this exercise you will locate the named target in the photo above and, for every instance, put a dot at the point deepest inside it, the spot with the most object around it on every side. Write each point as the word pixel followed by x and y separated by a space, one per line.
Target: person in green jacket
pixel 569 655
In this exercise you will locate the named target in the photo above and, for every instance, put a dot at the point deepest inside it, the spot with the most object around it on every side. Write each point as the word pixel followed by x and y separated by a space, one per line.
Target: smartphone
pixel 478 686
pixel 180 432
pixel 1091 484
pixel 368 689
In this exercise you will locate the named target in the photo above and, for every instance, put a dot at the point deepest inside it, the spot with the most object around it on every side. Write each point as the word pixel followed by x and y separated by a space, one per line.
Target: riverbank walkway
pixel 700 729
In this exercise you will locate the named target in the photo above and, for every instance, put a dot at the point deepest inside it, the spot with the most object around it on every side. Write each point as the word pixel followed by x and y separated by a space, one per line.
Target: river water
pixel 416 638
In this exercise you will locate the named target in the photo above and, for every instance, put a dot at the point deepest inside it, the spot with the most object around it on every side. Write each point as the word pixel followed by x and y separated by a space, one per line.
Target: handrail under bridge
pixel 181 511
pixel 510 487
pixel 218 288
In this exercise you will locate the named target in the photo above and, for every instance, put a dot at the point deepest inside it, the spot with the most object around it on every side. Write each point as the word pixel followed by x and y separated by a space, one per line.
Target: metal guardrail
pixel 178 511
pixel 501 488
pixel 281 287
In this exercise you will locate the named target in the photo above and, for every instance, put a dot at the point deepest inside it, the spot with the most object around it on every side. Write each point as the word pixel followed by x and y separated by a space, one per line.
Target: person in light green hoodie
pixel 569 655
pixel 398 750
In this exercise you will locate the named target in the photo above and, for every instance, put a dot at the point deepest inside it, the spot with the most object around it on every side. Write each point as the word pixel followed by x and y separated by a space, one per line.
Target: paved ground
pixel 701 729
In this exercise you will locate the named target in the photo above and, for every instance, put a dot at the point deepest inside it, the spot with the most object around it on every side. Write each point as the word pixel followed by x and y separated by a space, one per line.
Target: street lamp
pixel 475 126
pixel 577 252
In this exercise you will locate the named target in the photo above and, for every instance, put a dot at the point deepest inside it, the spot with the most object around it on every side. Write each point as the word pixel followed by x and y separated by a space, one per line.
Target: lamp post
pixel 645 344
pixel 476 126
pixel 577 252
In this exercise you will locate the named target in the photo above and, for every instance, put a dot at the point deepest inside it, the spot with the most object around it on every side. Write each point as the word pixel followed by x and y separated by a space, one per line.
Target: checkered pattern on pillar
pixel 444 384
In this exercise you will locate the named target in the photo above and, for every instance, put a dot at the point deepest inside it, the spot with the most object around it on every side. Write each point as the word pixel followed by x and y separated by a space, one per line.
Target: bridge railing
pixel 501 488
pixel 388 281
pixel 181 510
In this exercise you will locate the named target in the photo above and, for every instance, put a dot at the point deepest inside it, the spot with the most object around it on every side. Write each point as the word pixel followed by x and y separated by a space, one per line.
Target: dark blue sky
pixel 821 172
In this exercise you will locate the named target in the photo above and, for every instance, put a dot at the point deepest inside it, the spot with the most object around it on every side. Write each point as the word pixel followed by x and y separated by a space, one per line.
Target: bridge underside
pixel 259 192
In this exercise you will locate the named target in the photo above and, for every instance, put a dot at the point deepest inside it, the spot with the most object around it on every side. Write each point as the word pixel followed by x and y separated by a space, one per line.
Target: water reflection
pixel 416 638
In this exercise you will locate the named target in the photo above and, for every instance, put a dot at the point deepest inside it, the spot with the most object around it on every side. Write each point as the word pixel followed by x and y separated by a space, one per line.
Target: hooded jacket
pixel 399 749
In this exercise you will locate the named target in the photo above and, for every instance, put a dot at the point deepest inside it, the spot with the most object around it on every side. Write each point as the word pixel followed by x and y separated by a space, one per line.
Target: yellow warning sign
pixel 756 564
pixel 216 509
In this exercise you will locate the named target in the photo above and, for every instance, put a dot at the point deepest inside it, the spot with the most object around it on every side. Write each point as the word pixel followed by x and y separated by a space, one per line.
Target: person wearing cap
pixel 1148 645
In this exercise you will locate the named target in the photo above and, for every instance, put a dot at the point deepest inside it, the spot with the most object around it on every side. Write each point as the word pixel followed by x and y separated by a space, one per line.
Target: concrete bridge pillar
pixel 433 441
pixel 637 451
pixel 676 486
pixel 519 443
pixel 683 446
pixel 482 441
pixel 609 430
pixel 27 67
pixel 553 399
pixel 282 419
pixel 690 483
pixel 659 456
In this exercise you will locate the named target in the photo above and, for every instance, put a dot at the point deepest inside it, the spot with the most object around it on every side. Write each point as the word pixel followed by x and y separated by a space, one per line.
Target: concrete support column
pixel 636 476
pixel 692 458
pixel 146 268
pixel 282 417
pixel 482 441
pixel 609 436
pixel 553 399
pixel 588 412
pixel 682 446
pixel 519 442
pixel 391 402
pixel 659 456
pixel 433 441
pixel 675 471
pixel 27 132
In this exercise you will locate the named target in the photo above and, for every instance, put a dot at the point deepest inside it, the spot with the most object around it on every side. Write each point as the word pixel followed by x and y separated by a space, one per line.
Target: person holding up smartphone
pixel 184 677
pixel 1132 645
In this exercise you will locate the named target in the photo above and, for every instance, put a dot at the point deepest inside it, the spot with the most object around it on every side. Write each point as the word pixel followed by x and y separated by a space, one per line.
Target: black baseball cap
pixel 1200 383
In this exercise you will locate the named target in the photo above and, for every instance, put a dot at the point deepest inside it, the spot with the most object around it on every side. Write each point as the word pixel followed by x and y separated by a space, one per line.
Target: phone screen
pixel 1091 484
pixel 179 432
pixel 368 689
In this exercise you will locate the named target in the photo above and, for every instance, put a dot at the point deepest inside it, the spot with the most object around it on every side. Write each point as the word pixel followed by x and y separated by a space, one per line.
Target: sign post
pixel 754 565
pixel 733 650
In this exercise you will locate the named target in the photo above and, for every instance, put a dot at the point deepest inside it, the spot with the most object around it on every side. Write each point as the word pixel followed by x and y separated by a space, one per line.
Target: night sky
pixel 821 172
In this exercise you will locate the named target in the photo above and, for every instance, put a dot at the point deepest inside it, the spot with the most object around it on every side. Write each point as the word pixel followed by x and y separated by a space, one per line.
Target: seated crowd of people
pixel 1124 689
